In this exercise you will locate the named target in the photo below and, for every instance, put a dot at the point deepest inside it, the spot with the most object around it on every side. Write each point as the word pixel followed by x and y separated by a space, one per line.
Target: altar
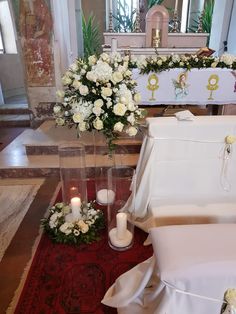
pixel 194 87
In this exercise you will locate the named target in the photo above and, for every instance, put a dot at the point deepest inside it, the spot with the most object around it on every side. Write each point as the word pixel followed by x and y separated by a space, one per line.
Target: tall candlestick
pixel 176 5
pixel 113 45
pixel 110 6
pixel 121 225
pixel 76 207
pixel 137 5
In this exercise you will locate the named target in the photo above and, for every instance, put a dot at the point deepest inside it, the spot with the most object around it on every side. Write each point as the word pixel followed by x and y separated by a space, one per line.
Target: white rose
pixel 83 71
pixel 109 103
pixel 106 92
pixel 74 67
pixel 105 57
pixel 131 119
pixel 82 126
pixel 214 64
pixel 83 89
pixel 175 58
pixel 159 62
pixel 117 77
pixel 66 80
pixel 164 58
pixel 60 94
pixel 77 117
pixel 98 103
pixel 56 109
pixel 91 76
pixel 98 124
pixel 137 97
pixel 92 60
pixel 118 127
pixel 97 110
pixel 131 131
pixel 60 121
pixel 124 100
pixel 131 106
pixel 227 59
pixel 181 63
pixel 120 109
pixel 76 84
pixel 128 73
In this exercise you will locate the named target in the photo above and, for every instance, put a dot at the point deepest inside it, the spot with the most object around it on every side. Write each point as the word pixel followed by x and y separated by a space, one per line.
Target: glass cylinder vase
pixel 73 172
pixel 104 158
pixel 121 181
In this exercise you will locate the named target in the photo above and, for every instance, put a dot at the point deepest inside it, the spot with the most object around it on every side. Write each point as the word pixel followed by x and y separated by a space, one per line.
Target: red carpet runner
pixel 68 280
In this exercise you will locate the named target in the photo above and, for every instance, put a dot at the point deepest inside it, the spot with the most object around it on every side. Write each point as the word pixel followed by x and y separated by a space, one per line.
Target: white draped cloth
pixel 186 173
pixel 190 271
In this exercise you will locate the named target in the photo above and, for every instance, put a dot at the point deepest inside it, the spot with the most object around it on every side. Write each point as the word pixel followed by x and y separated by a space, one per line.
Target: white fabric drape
pixel 196 265
pixel 180 171
pixel 195 89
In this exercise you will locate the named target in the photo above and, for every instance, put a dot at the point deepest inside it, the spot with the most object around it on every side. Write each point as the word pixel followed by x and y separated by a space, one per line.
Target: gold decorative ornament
pixel 153 84
pixel 212 85
pixel 156 38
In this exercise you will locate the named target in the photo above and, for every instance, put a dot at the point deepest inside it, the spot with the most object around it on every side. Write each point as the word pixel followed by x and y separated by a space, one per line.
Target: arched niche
pixel 157 18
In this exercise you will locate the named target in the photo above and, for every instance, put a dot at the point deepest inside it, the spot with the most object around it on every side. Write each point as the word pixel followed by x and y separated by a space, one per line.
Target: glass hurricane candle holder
pixel 73 174
pixel 121 181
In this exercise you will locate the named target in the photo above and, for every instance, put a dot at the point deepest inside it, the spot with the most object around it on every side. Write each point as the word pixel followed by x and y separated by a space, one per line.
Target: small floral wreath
pixel 83 231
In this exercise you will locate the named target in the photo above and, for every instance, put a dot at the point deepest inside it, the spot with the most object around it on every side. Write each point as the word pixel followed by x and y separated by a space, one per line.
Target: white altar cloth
pixel 191 269
pixel 200 87
pixel 184 172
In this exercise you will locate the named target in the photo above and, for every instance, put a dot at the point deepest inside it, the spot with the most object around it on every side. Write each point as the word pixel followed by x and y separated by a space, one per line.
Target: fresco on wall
pixel 34 25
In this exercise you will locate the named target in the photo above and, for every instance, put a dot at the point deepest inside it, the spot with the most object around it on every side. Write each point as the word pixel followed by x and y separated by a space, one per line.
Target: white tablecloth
pixel 200 87
pixel 196 265
pixel 183 166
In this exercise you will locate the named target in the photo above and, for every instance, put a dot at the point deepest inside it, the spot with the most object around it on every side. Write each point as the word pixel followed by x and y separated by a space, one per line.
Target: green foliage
pixel 151 3
pixel 206 18
pixel 125 20
pixel 91 34
pixel 60 231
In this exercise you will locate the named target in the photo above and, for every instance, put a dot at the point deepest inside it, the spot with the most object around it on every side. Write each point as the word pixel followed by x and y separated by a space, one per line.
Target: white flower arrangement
pixel 158 63
pixel 100 94
pixel 84 230
pixel 229 305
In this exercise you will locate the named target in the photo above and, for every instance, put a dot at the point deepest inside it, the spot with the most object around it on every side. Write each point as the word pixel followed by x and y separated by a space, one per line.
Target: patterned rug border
pixel 13 304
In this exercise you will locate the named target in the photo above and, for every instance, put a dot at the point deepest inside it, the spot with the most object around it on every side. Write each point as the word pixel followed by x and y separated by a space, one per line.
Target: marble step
pixel 14 120
pixel 48 165
pixel 46 139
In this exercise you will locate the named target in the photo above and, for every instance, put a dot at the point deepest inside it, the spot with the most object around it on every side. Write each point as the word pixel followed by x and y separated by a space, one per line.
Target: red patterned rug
pixel 65 279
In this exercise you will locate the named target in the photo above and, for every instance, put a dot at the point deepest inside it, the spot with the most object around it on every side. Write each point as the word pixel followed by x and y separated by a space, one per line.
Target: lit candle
pixel 121 225
pixel 110 8
pixel 176 5
pixel 74 191
pixel 75 207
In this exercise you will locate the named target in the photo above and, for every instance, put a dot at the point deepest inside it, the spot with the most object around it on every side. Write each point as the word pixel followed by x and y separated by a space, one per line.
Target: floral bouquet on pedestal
pixel 100 95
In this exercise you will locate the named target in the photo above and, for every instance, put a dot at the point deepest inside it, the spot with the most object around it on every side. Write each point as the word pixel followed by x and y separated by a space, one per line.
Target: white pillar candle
pixel 176 5
pixel 75 207
pixel 121 225
pixel 105 196
pixel 113 45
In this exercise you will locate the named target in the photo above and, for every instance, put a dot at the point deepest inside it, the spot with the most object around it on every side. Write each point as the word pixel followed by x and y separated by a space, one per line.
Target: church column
pixel 220 25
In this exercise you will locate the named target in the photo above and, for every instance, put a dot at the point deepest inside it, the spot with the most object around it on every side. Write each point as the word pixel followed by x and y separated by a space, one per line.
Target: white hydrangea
pixel 227 58
pixel 102 71
pixel 175 58
pixel 83 89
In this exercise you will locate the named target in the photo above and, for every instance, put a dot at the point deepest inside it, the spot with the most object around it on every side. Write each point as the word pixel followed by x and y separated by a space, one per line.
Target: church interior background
pixel 39 40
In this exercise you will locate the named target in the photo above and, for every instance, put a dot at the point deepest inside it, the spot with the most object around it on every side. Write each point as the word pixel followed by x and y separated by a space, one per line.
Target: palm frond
pixel 91 35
